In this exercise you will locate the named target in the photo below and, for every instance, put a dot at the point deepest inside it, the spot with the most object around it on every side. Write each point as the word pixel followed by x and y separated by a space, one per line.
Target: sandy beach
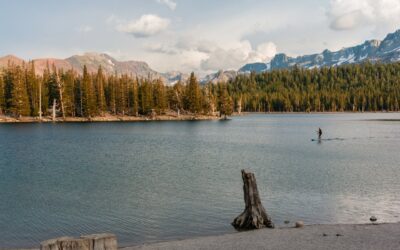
pixel 364 236
pixel 108 118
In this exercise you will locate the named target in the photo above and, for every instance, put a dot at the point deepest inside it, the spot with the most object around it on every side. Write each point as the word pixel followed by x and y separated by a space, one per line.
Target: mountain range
pixel 385 51
pixel 93 61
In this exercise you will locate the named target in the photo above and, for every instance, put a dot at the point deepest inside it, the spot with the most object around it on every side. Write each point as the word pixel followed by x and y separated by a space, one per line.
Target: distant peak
pixel 10 56
pixel 373 43
pixel 393 36
pixel 326 51
pixel 281 55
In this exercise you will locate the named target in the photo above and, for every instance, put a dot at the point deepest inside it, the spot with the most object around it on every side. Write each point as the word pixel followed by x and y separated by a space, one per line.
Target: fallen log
pixel 254 215
pixel 87 242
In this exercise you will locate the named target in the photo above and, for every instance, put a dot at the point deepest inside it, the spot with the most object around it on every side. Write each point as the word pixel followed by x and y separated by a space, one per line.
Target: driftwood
pixel 88 242
pixel 254 215
pixel 101 241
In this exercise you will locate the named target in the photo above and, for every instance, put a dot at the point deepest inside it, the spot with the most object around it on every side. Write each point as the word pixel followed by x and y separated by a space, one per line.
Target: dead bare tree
pixel 254 215
pixel 60 86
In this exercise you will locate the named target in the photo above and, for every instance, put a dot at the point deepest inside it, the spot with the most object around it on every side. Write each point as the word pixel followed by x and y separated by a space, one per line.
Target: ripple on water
pixel 151 182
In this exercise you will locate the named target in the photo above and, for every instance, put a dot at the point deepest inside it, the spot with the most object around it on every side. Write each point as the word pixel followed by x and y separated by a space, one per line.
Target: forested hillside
pixel 365 87
pixel 355 87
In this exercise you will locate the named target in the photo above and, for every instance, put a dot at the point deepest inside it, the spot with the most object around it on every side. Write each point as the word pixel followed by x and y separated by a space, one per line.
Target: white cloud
pixel 85 29
pixel 112 19
pixel 162 49
pixel 264 52
pixel 347 15
pixel 238 56
pixel 146 26
pixel 208 56
pixel 171 4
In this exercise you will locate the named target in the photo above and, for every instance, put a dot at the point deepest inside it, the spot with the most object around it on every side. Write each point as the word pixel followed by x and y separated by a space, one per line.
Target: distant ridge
pixel 93 61
pixel 385 51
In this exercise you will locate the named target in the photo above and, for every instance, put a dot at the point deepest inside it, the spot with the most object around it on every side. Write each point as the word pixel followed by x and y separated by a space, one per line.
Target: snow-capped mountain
pixel 384 51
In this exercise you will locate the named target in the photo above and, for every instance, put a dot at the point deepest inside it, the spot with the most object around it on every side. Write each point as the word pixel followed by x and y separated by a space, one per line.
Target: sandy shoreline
pixel 166 117
pixel 340 236
pixel 108 118
pixel 384 236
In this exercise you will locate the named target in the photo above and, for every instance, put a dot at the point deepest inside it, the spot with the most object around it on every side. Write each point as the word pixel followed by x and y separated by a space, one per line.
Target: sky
pixel 191 35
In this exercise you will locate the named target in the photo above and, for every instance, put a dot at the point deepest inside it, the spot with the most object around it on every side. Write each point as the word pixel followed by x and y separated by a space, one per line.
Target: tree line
pixel 355 88
pixel 363 87
pixel 25 93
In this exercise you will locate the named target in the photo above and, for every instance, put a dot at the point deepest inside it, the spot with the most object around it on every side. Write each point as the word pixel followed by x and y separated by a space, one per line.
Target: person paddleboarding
pixel 319 133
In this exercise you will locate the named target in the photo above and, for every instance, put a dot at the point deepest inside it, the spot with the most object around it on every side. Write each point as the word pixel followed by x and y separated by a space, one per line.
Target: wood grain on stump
pixel 254 215
pixel 87 242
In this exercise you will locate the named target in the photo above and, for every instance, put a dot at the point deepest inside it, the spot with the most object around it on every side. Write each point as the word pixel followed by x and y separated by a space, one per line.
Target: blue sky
pixel 191 35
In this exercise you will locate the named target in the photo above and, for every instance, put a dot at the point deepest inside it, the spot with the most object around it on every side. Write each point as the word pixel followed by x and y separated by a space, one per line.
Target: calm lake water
pixel 156 181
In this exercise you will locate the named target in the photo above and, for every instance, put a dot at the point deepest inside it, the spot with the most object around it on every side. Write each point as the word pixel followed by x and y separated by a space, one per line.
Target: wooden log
pixel 87 242
pixel 75 244
pixel 101 241
pixel 65 243
pixel 254 215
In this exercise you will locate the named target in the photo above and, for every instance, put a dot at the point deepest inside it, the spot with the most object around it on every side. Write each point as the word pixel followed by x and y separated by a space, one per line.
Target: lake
pixel 157 181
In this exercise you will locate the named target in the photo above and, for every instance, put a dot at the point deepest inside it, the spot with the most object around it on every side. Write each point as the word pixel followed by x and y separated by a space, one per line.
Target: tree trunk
pixel 40 101
pixel 254 215
pixel 54 110
pixel 60 92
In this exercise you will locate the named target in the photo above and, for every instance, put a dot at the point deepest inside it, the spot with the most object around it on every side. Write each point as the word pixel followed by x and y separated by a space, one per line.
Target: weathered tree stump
pixel 87 242
pixel 101 241
pixel 254 215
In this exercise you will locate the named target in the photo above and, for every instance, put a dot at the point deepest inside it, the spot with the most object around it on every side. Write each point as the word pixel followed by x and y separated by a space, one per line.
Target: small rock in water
pixel 299 224
pixel 373 219
pixel 339 235
pixel 324 234
pixel 287 222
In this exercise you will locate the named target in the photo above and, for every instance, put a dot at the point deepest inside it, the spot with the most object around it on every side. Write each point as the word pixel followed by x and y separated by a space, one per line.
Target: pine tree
pixel 69 93
pixel 146 97
pixel 19 95
pixel 101 100
pixel 135 97
pixel 109 93
pixel 32 83
pixel 44 90
pixel 2 96
pixel 88 96
pixel 225 101
pixel 160 101
pixel 122 95
pixel 193 95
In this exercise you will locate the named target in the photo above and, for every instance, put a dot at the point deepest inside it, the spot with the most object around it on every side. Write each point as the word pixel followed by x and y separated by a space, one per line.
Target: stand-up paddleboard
pixel 329 139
